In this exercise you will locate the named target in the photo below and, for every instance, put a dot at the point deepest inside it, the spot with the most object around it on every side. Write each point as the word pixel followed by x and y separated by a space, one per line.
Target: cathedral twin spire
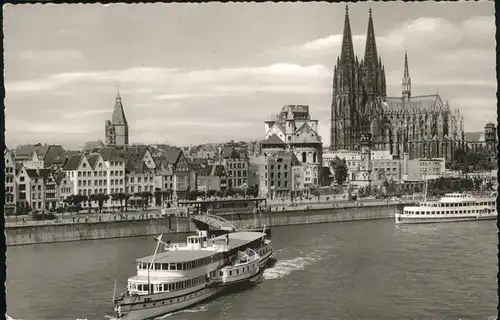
pixel 369 71
pixel 347 51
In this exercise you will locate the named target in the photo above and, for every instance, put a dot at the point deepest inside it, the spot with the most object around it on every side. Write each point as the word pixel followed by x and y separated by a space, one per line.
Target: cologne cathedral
pixel 422 126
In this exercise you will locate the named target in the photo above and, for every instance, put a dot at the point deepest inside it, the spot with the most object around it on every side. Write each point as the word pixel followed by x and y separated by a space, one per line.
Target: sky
pixel 214 72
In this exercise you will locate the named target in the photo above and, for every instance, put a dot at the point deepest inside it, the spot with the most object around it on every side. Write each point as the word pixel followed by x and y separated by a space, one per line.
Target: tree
pixel 100 198
pixel 467 161
pixel 349 190
pixel 125 197
pixel 145 196
pixel 75 201
pixel 211 193
pixel 340 170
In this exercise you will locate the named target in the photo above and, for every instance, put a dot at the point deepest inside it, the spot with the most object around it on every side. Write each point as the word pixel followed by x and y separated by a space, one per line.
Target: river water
pixel 352 270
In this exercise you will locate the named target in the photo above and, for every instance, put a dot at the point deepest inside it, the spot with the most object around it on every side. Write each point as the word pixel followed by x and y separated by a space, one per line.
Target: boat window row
pixel 263 250
pixel 166 287
pixel 243 270
pixel 451 212
pixel 459 204
pixel 181 265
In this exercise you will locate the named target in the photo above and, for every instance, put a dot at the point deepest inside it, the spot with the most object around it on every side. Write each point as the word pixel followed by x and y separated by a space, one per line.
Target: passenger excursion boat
pixel 185 274
pixel 245 268
pixel 450 208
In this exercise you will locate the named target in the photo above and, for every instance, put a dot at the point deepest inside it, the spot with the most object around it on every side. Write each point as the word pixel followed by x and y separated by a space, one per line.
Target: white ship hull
pixel 158 306
pixel 452 207
pixel 413 219
pixel 164 303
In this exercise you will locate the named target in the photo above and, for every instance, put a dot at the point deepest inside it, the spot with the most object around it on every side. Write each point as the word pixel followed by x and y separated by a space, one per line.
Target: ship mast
pixel 158 242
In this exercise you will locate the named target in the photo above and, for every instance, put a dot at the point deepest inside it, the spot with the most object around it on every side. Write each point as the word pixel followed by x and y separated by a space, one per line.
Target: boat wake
pixel 283 268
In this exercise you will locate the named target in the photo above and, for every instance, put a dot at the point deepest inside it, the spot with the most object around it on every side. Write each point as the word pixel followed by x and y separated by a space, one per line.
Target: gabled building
pixel 40 156
pixel 64 186
pixel 139 154
pixel 213 177
pixel 10 183
pixel 293 130
pixel 79 172
pixel 139 178
pixel 41 194
pixel 25 152
pixel 185 177
pixel 236 167
pixel 23 183
pixel 115 167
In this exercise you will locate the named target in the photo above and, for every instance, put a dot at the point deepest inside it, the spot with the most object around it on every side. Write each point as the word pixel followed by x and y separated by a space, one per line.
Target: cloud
pixel 50 56
pixel 86 113
pixel 421 33
pixel 33 127
pixel 177 84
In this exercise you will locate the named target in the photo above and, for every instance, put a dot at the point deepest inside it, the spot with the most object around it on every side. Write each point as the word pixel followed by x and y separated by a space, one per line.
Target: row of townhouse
pixel 228 170
pixel 100 172
pixel 41 177
pixel 31 186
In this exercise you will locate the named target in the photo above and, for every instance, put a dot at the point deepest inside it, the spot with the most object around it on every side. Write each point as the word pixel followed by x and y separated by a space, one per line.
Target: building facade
pixel 293 130
pixel 236 166
pixel 214 177
pixel 10 195
pixel 116 129
pixel 282 177
pixel 102 172
pixel 485 141
pixel 422 126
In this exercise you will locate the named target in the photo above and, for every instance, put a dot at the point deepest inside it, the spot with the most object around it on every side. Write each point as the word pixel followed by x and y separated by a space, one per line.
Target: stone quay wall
pixel 50 232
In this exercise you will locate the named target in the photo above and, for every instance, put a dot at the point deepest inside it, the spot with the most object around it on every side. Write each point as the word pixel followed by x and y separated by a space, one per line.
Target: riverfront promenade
pixel 85 217
pixel 105 226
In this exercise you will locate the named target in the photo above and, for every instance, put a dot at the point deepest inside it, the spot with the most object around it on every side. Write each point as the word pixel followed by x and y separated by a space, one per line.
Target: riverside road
pixel 85 217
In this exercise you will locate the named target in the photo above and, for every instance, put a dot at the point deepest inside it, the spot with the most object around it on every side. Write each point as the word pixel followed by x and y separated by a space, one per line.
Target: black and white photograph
pixel 251 161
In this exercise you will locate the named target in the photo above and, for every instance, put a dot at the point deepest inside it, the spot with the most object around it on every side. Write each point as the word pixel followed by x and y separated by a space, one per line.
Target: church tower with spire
pixel 344 87
pixel 357 87
pixel 374 73
pixel 116 129
pixel 406 82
